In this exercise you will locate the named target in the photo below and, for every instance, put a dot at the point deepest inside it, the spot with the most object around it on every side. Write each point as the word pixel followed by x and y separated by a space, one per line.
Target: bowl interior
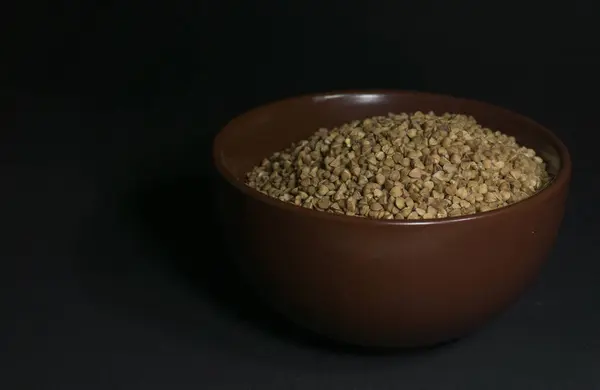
pixel 246 140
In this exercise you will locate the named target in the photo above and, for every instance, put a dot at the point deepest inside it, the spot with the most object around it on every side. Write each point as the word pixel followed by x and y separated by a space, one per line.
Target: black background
pixel 114 275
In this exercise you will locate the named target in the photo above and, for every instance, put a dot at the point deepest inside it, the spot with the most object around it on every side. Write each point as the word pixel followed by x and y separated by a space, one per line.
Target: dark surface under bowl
pixel 384 283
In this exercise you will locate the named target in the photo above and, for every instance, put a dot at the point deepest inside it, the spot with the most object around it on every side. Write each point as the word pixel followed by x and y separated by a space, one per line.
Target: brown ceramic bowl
pixel 378 282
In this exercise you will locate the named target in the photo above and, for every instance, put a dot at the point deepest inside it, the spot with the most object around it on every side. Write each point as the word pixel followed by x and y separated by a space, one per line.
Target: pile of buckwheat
pixel 406 166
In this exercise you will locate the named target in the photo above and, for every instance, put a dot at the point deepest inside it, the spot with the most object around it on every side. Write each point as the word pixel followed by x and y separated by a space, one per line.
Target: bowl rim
pixel 556 184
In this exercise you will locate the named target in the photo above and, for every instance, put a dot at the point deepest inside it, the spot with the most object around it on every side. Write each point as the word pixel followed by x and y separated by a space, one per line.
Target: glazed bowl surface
pixel 383 282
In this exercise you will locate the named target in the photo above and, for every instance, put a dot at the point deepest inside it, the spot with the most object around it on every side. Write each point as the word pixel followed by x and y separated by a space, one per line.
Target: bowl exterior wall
pixel 391 285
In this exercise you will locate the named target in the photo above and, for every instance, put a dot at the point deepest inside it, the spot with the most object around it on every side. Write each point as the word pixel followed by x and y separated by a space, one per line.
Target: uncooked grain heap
pixel 406 166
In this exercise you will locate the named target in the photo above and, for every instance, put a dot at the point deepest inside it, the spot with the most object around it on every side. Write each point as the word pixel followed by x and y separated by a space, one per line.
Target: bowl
pixel 383 283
